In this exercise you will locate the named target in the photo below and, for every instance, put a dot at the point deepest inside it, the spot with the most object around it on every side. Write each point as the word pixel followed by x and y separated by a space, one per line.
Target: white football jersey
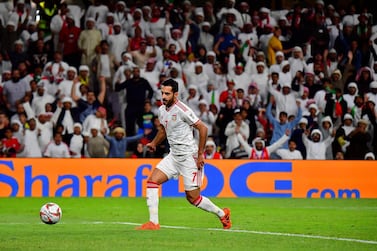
pixel 178 121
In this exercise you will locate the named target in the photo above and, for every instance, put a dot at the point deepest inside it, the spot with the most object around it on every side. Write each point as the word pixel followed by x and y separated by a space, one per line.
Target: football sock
pixel 207 205
pixel 152 201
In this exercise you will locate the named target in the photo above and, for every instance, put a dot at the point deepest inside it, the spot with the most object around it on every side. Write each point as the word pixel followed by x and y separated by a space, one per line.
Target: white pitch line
pixel 252 232
pixel 321 237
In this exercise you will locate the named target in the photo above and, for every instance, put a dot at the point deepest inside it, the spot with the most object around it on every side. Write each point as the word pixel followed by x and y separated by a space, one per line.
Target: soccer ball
pixel 50 213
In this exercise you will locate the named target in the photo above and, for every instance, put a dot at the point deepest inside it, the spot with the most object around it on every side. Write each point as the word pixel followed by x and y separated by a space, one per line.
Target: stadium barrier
pixel 224 178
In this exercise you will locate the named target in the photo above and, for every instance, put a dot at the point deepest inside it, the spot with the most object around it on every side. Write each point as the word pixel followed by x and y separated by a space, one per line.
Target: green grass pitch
pixel 258 224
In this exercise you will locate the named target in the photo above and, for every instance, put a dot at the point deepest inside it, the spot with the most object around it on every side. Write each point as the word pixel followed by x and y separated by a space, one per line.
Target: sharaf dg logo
pixel 243 177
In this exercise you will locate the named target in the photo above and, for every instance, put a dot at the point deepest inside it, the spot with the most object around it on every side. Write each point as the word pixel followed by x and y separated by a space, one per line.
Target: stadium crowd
pixel 81 79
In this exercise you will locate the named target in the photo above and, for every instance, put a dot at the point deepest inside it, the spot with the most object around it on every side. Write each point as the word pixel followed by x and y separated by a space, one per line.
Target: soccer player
pixel 186 158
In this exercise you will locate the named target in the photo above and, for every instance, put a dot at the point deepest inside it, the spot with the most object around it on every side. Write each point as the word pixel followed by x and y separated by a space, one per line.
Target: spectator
pixel 310 83
pixel 21 114
pixel 210 151
pixel 97 120
pixel 40 99
pixel 88 41
pixel 97 12
pixel 39 54
pixel 224 117
pixel 176 36
pixel 175 75
pixel 282 125
pixel 18 54
pixel 229 93
pixel 297 136
pixel 223 41
pixel 363 79
pixel 274 46
pixel 66 116
pixel 15 91
pixel 32 148
pixel 89 103
pixel 118 42
pixel 76 144
pixel 104 65
pixel 336 108
pixel 290 153
pixel 233 128
pixel 107 28
pixel 122 15
pixel 327 129
pixel 369 156
pixel 339 156
pixel 369 113
pixel 193 98
pixel 56 69
pixel 140 55
pixel 68 41
pixel 5 65
pixel 56 22
pixel 157 22
pixel 296 61
pixel 205 37
pixel 138 89
pixel 325 95
pixel 237 72
pixel 10 144
pixel 151 74
pixel 98 146
pixel 145 120
pixel 140 152
pixel 57 148
pixel 277 66
pixel 45 129
pixel 20 15
pixel 341 137
pixel 359 139
pixel 349 97
pixel 372 94
pixel 261 79
pixel 8 36
pixel 83 76
pixel 66 85
pixel 18 132
pixel 119 142
pixel 199 78
pixel 316 146
pixel 259 150
pixel 206 116
pixel 286 99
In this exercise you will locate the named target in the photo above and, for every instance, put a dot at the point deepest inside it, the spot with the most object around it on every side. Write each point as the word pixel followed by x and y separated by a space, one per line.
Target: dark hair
pixel 104 42
pixel 292 140
pixel 172 83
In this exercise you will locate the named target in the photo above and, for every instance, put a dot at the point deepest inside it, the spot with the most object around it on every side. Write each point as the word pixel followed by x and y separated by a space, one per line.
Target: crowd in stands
pixel 81 79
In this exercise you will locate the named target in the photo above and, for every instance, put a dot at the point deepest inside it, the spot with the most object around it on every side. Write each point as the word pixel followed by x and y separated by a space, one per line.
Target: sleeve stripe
pixel 182 106
pixel 197 122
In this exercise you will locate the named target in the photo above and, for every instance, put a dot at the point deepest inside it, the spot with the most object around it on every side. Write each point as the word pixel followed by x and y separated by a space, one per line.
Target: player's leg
pixel 192 178
pixel 153 186
pixel 204 203
pixel 160 174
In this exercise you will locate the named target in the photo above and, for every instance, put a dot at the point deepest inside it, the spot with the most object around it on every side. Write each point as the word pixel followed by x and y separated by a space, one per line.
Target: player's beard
pixel 168 103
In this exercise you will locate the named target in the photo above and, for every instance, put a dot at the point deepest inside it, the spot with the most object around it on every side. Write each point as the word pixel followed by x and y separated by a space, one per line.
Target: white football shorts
pixel 174 166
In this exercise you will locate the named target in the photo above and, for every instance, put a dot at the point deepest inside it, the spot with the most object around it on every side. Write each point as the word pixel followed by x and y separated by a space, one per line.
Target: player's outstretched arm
pixel 160 136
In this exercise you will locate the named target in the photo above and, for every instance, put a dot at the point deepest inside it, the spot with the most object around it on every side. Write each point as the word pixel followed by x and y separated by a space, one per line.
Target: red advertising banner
pixel 223 178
